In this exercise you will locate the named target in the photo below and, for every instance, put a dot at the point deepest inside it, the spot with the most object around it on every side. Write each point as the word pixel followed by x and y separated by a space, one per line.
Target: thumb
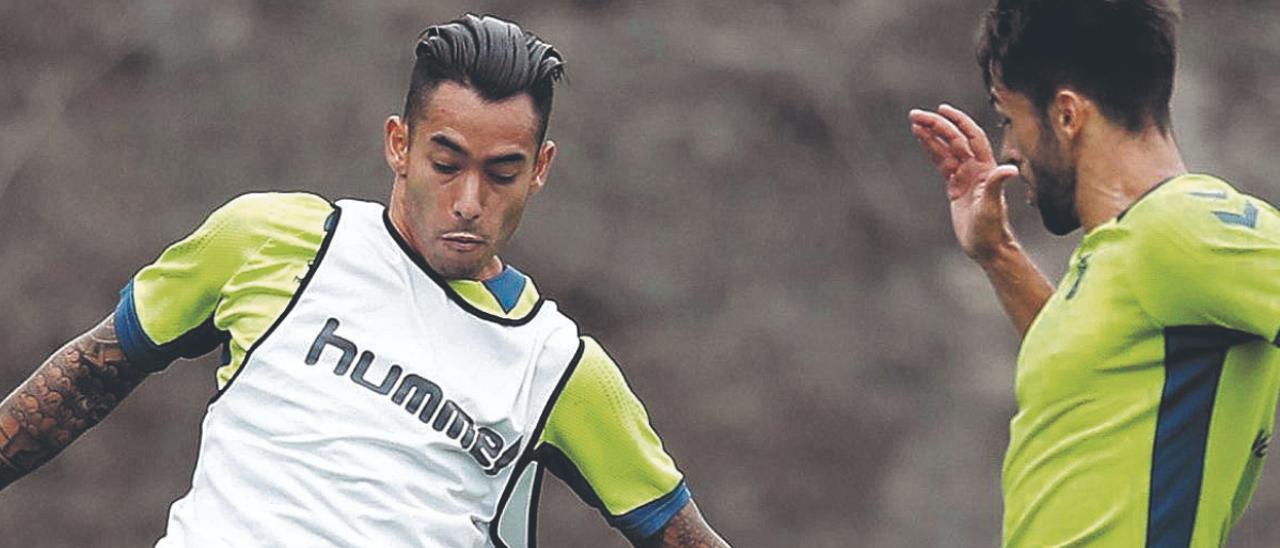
pixel 994 186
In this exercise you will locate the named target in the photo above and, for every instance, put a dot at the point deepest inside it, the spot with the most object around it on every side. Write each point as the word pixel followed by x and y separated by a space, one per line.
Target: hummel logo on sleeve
pixel 1261 444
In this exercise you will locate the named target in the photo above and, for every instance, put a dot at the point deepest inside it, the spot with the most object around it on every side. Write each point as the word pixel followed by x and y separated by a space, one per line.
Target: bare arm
pixel 71 392
pixel 686 530
pixel 1019 284
pixel 975 186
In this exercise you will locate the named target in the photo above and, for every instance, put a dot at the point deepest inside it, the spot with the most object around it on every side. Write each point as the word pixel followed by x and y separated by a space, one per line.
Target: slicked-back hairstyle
pixel 1119 53
pixel 494 57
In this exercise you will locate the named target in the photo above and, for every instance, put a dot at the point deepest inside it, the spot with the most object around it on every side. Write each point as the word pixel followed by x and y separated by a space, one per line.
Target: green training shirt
pixel 1147 385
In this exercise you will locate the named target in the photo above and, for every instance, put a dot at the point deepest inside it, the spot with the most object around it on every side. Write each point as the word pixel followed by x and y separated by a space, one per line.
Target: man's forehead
pixel 473 121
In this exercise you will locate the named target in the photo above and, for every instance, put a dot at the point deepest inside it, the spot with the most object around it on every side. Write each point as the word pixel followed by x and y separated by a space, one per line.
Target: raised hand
pixel 962 153
pixel 979 214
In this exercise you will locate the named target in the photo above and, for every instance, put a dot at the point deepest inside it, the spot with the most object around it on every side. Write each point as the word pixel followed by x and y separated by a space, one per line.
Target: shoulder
pixel 595 393
pixel 1196 214
pixel 1185 232
pixel 597 374
pixel 274 211
pixel 1196 204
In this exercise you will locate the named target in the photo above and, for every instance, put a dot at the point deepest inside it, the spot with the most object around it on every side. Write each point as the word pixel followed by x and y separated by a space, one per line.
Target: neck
pixel 491 269
pixel 1119 169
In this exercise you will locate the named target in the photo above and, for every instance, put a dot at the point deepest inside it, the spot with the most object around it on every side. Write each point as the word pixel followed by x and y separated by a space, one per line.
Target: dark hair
pixel 1120 53
pixel 496 58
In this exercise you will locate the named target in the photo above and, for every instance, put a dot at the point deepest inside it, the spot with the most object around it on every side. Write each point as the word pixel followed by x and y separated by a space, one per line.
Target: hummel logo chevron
pixel 1218 195
pixel 1261 444
pixel 1248 219
pixel 1081 268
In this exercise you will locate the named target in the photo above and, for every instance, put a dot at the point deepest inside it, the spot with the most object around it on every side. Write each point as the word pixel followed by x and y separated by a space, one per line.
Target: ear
pixel 395 140
pixel 546 155
pixel 1069 113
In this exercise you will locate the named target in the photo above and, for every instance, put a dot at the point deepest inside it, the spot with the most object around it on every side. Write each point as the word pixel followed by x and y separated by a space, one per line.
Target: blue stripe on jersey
pixel 1193 366
pixel 142 351
pixel 638 524
pixel 648 520
pixel 506 287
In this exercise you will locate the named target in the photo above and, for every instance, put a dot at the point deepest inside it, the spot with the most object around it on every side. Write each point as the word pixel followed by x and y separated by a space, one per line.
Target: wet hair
pixel 1119 53
pixel 492 56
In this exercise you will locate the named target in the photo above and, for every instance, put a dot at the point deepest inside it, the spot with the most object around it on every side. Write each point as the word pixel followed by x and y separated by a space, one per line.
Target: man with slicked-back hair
pixel 387 379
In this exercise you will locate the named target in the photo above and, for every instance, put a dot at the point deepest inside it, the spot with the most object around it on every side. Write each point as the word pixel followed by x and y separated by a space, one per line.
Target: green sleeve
pixel 604 446
pixel 1208 256
pixel 197 276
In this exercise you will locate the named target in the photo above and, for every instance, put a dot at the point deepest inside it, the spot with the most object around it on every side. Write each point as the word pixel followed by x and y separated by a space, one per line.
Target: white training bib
pixel 379 410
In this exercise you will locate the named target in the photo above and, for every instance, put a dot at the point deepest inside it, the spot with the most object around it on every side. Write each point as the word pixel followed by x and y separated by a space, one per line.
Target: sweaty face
pixel 464 176
pixel 1034 148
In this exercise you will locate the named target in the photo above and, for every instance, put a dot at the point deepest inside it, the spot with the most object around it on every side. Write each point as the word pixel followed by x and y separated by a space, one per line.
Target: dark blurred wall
pixel 738 212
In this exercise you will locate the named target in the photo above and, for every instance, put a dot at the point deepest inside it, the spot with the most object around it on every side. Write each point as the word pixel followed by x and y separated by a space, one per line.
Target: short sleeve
pixel 599 441
pixel 166 311
pixel 1209 256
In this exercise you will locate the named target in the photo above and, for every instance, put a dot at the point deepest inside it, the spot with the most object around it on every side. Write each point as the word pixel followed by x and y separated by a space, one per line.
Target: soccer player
pixel 1147 380
pixel 388 380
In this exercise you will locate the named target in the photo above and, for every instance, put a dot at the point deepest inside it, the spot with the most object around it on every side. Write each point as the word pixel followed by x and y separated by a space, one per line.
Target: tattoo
pixel 71 392
pixel 686 529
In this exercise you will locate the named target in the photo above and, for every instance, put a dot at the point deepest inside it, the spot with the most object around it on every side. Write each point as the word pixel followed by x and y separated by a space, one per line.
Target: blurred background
pixel 738 213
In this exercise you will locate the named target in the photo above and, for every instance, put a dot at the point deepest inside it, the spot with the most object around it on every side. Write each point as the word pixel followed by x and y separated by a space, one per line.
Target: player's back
pixel 1147 385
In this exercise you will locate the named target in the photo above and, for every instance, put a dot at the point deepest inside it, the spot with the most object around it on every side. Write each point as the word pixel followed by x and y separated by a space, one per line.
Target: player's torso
pixel 1129 433
pixel 376 412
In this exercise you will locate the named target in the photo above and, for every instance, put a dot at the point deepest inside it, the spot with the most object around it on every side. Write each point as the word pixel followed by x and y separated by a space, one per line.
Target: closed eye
pixel 502 179
pixel 444 168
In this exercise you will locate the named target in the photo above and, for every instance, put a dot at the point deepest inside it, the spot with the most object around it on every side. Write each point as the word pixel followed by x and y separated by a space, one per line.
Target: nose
pixel 1008 153
pixel 467 203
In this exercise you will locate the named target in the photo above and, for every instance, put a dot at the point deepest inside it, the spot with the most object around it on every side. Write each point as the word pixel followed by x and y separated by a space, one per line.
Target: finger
pixel 936 149
pixel 1002 173
pixel 978 141
pixel 945 129
pixel 996 180
pixel 918 116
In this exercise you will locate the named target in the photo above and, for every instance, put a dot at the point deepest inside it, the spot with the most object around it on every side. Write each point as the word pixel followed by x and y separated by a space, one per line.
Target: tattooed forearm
pixel 73 390
pixel 686 530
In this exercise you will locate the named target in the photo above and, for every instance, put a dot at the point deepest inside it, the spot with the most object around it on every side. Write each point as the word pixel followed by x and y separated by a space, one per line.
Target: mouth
pixel 462 242
pixel 1029 184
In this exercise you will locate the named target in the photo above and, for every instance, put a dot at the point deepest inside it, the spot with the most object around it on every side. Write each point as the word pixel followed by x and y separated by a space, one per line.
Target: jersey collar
pixel 508 298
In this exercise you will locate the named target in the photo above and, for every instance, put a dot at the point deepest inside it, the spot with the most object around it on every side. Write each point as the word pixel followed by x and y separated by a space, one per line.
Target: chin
pixel 457 271
pixel 1059 221
pixel 1055 198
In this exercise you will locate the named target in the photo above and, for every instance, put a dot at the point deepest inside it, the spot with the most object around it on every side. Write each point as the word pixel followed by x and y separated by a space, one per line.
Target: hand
pixel 975 183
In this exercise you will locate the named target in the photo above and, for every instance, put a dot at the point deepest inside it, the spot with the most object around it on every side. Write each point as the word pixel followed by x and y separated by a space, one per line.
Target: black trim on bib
pixel 444 284
pixel 331 228
pixel 526 458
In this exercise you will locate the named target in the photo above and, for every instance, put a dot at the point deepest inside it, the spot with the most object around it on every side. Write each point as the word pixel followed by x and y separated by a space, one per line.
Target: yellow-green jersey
pixel 1147 385
pixel 235 279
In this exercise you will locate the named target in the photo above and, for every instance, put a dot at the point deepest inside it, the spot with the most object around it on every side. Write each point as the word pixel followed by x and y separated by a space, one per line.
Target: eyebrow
pixel 446 142
pixel 514 157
